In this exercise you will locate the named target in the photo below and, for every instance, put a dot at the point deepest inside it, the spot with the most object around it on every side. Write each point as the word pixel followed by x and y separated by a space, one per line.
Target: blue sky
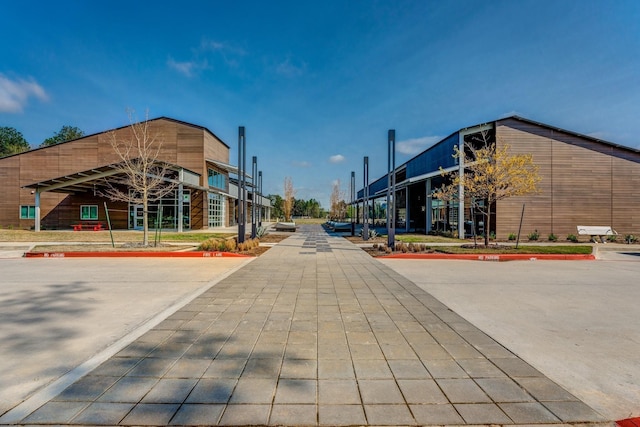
pixel 317 84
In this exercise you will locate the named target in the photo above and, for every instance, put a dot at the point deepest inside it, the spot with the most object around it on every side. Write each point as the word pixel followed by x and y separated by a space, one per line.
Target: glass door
pixel 136 219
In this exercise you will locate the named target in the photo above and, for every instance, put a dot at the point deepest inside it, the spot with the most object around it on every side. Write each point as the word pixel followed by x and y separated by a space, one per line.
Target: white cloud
pixel 287 68
pixel 213 45
pixel 185 68
pixel 301 164
pixel 338 158
pixel 416 145
pixel 206 56
pixel 14 94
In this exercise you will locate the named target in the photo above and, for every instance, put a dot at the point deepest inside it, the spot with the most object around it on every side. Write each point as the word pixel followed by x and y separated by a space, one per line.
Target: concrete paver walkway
pixel 314 332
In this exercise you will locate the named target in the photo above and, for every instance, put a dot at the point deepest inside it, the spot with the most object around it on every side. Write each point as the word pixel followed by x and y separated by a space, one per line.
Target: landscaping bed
pixel 470 249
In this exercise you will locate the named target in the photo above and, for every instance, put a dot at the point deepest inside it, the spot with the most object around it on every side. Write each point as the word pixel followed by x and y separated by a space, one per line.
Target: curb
pixel 629 422
pixel 496 257
pixel 195 254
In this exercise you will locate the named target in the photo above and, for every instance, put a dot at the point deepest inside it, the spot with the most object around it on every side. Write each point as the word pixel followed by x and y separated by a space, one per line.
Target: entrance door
pixel 138 217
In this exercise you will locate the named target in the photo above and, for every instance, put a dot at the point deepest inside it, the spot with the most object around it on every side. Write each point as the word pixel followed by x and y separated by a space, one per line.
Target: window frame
pixel 31 212
pixel 91 216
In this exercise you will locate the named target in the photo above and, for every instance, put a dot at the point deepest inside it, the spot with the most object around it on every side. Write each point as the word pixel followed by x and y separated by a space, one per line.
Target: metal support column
pixel 391 188
pixel 428 206
pixel 260 198
pixel 180 201
pixel 461 187
pixel 365 203
pixel 37 203
pixel 242 202
pixel 254 197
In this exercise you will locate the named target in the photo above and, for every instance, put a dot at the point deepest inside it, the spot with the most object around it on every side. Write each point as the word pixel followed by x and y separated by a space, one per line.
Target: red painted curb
pixel 494 257
pixel 198 254
pixel 629 422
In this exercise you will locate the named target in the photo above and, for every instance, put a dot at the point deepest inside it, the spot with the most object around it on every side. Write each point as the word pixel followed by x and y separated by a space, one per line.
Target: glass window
pixel 216 210
pixel 88 212
pixel 217 179
pixel 27 212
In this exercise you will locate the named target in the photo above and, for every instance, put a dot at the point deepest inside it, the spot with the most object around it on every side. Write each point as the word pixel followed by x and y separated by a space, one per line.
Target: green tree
pixel 313 208
pixel 276 205
pixel 11 141
pixel 67 133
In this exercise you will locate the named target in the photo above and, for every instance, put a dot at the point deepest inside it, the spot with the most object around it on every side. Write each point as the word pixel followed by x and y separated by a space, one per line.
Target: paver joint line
pixel 314 332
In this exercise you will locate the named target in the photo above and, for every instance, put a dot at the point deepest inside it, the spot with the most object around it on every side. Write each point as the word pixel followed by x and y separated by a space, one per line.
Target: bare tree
pixel 338 209
pixel 145 178
pixel 289 193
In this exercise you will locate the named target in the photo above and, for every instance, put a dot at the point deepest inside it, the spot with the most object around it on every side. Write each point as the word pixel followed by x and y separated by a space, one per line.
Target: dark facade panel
pixel 440 155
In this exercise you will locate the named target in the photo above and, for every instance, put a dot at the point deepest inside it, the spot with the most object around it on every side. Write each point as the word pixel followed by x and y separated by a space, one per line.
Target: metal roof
pixel 81 182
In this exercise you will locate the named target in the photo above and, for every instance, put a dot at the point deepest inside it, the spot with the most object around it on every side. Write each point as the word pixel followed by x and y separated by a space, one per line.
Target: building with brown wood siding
pixel 60 186
pixel 584 181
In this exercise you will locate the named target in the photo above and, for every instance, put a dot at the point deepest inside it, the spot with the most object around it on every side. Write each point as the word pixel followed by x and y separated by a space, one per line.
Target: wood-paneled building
pixel 584 181
pixel 60 186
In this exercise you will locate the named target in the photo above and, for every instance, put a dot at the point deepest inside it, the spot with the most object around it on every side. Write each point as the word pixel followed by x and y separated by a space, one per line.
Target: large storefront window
pixel 163 213
pixel 217 179
pixel 216 210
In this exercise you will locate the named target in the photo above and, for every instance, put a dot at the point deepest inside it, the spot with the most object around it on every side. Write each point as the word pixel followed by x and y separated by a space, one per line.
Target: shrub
pixel 553 238
pixel 375 246
pixel 492 235
pixel 512 236
pixel 630 238
pixel 230 245
pixel 572 238
pixel 534 236
pixel 261 231
pixel 212 244
pixel 612 238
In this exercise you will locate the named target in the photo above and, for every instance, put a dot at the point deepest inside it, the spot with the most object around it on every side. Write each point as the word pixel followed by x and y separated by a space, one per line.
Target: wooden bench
pixel 596 231
pixel 84 226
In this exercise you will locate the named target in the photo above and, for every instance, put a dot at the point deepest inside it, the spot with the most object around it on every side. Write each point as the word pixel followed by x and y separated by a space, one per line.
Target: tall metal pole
pixel 353 192
pixel 260 196
pixel 241 193
pixel 254 197
pixel 365 206
pixel 391 188
pixel 352 189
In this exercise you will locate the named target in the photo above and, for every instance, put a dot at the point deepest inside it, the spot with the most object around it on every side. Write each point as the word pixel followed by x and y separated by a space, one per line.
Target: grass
pixel 552 249
pixel 103 236
pixel 422 238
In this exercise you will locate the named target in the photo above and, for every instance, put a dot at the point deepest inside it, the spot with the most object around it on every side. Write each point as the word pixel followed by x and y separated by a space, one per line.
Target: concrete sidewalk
pixel 314 332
